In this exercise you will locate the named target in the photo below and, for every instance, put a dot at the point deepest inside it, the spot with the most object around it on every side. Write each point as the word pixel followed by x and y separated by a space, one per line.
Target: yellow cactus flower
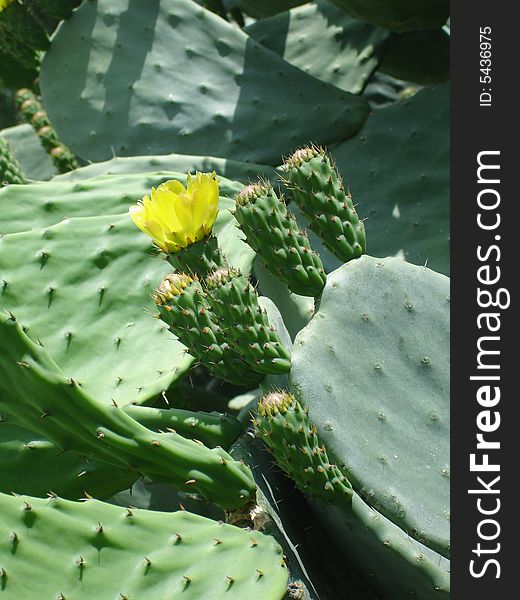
pixel 175 216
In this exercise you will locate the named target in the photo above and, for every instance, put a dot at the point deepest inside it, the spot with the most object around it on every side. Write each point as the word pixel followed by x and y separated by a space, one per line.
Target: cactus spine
pixel 184 307
pixel 318 190
pixel 272 231
pixel 234 302
pixel 286 429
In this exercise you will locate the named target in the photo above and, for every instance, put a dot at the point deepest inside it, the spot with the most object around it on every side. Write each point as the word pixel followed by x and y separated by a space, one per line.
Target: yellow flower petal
pixel 176 216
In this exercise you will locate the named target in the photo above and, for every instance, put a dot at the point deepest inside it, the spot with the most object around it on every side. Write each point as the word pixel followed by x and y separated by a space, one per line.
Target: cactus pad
pixel 372 367
pixel 106 551
pixel 179 78
pixel 349 50
pixel 398 168
pixel 35 393
pixel 31 464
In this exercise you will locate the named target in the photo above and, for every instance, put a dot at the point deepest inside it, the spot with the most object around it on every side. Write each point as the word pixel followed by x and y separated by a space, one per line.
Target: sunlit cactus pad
pixel 103 551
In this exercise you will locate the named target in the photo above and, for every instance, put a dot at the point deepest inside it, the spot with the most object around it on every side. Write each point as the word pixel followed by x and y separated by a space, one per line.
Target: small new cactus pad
pixel 318 190
pixel 36 394
pixel 234 302
pixel 58 549
pixel 286 429
pixel 198 259
pixel 295 35
pixel 272 231
pixel 33 112
pixel 372 367
pixel 212 429
pixel 184 308
pixel 10 169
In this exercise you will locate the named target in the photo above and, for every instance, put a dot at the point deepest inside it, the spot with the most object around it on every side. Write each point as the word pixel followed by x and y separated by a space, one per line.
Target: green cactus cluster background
pixel 263 410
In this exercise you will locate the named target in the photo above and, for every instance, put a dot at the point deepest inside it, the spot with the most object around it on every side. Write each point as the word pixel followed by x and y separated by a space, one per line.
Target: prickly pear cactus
pixel 206 308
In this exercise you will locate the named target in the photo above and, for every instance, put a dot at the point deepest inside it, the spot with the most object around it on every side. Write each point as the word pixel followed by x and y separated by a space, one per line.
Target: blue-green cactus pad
pixel 398 170
pixel 35 162
pixel 322 40
pixel 171 76
pixel 372 366
pixel 181 163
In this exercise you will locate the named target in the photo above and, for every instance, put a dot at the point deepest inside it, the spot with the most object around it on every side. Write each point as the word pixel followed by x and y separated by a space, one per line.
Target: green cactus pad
pixel 234 302
pixel 286 429
pixel 399 15
pixel 318 189
pixel 372 367
pixel 394 564
pixel 273 233
pixel 107 552
pixel 179 78
pixel 82 287
pixel 10 169
pixel 180 163
pixel 35 393
pixel 349 50
pixel 31 464
pixel 35 162
pixel 398 169
pixel 183 306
